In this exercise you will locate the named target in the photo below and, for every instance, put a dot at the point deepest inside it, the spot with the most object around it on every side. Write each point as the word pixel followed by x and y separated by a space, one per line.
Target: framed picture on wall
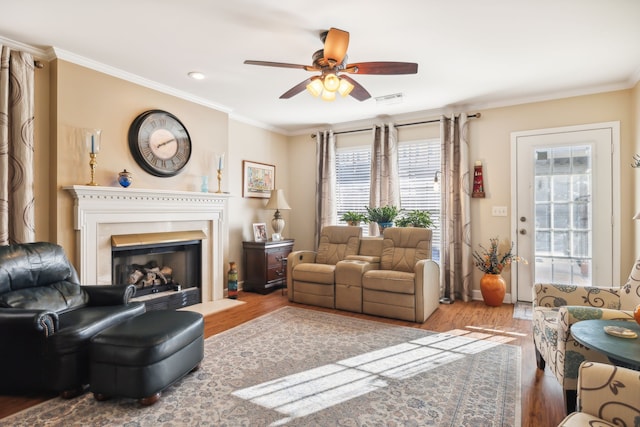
pixel 260 232
pixel 258 179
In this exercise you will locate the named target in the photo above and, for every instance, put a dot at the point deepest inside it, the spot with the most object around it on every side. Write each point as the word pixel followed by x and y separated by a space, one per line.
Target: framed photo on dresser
pixel 260 232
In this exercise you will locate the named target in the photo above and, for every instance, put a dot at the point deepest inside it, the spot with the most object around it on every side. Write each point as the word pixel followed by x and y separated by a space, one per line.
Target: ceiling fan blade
pixel 358 92
pixel 382 67
pixel 335 45
pixel 296 89
pixel 277 64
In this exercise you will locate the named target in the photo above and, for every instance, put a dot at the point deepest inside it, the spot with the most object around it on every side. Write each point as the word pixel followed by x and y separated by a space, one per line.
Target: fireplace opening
pixel 166 268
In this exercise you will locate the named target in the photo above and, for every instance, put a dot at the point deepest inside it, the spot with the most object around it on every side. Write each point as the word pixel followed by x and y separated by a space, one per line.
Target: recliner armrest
pixel 427 274
pixel 109 294
pixel 17 321
pixel 299 257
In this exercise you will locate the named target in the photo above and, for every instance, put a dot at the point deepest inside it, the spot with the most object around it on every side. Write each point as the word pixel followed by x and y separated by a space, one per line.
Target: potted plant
pixel 354 218
pixel 491 261
pixel 382 215
pixel 415 218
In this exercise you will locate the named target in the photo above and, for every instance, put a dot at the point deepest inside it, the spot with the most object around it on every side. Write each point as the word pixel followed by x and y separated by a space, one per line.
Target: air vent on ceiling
pixel 395 98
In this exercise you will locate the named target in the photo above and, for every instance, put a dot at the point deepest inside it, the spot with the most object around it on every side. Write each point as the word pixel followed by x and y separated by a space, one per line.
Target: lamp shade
pixel 277 200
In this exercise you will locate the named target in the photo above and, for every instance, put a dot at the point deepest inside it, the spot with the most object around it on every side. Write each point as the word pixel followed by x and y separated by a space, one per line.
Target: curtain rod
pixel 469 116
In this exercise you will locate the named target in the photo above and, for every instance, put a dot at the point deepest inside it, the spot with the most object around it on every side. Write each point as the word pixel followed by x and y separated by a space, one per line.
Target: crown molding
pixel 134 78
pixel 38 53
pixel 255 123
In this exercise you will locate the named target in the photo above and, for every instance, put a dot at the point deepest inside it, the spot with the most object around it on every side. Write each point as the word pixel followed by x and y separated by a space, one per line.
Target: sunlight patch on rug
pixel 310 391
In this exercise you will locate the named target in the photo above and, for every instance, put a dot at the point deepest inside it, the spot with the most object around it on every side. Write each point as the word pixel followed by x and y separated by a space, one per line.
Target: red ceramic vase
pixel 493 287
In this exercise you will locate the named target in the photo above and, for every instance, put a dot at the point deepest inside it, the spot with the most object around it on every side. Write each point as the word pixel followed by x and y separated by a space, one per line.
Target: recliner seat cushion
pixel 389 281
pixel 314 273
pixel 58 297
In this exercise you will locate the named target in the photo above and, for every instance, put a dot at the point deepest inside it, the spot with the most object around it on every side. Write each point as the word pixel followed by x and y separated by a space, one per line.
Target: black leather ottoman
pixel 142 356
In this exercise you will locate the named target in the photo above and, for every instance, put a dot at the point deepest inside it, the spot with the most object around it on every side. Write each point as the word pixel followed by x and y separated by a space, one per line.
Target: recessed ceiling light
pixel 196 75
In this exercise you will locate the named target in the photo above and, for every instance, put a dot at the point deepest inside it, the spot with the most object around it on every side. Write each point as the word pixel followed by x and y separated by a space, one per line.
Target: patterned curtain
pixel 325 182
pixel 17 223
pixel 385 185
pixel 455 255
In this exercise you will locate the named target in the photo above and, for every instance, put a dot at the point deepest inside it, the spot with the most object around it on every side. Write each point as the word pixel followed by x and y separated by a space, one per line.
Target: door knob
pixel 523 231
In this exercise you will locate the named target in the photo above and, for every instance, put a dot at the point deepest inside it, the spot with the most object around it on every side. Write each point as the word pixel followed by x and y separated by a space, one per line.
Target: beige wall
pixel 248 142
pixel 90 99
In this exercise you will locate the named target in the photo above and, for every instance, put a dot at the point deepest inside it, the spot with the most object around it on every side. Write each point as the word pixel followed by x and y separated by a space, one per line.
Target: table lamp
pixel 277 201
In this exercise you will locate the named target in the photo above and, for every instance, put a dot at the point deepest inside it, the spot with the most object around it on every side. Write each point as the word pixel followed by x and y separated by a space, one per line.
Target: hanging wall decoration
pixel 478 183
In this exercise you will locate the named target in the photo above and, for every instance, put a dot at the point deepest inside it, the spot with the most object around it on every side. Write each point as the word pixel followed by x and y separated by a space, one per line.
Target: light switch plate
pixel 499 211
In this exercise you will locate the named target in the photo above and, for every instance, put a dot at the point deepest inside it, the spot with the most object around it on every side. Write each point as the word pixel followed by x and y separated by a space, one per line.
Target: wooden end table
pixel 623 352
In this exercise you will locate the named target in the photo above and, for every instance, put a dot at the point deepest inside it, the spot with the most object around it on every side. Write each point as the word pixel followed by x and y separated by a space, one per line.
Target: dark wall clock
pixel 159 143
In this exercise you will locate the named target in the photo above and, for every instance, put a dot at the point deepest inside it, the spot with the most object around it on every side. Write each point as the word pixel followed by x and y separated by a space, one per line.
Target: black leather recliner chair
pixel 47 319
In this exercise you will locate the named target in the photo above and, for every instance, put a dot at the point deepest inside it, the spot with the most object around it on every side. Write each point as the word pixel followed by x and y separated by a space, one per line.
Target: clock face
pixel 159 143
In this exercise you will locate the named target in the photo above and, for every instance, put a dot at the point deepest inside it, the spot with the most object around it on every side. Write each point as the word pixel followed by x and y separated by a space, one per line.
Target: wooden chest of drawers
pixel 265 265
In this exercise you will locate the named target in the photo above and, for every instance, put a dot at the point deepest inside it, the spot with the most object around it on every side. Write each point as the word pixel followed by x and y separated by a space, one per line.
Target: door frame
pixel 615 190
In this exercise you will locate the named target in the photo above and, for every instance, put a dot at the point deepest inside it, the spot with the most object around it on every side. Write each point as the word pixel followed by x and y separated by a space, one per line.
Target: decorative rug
pixel 299 367
pixel 523 310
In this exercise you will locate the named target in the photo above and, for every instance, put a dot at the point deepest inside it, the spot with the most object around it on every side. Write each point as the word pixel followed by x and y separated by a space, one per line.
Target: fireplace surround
pixel 103 212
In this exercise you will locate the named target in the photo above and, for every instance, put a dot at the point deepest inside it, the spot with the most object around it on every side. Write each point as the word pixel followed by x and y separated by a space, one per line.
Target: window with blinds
pixel 418 162
pixel 353 175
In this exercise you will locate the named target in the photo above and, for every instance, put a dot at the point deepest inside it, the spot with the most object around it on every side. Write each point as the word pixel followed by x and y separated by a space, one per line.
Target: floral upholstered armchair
pixel 557 307
pixel 607 396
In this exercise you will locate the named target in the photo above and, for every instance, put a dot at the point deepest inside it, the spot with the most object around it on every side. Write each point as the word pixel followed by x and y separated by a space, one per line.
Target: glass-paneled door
pixel 563 219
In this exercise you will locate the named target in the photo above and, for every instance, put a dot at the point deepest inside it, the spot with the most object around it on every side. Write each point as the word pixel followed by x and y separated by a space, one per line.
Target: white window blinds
pixel 418 162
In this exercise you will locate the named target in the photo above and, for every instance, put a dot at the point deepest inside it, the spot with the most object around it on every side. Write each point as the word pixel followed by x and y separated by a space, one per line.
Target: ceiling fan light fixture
pixel 331 82
pixel 328 95
pixel 345 87
pixel 315 86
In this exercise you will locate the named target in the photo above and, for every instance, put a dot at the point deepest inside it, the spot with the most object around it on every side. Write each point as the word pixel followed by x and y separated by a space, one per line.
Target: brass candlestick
pixel 92 164
pixel 219 181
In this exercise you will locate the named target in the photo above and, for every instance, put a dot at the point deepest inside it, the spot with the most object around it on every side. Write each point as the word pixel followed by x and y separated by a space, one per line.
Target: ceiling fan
pixel 331 63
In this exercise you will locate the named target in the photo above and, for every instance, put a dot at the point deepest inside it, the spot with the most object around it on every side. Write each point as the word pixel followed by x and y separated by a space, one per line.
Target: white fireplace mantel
pixel 100 212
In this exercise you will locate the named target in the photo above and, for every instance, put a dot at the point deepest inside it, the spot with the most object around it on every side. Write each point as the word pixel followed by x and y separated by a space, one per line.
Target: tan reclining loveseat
pixel 393 276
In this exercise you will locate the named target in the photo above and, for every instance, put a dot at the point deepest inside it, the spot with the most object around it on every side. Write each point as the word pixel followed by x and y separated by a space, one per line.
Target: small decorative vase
pixel 232 281
pixel 205 184
pixel 125 178
pixel 493 288
pixel 383 225
pixel 636 313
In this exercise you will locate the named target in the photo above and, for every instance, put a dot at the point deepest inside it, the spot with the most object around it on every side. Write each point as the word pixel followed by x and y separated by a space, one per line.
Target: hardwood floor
pixel 541 394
